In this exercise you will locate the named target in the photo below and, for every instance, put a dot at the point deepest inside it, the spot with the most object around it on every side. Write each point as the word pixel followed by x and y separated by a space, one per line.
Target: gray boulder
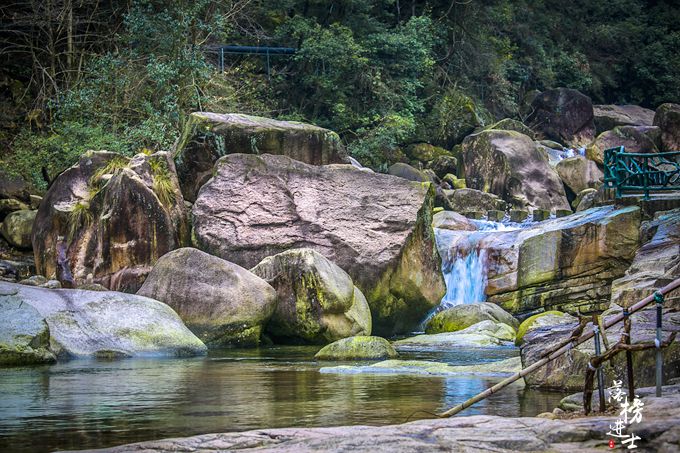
pixel 317 301
pixel 220 302
pixel 407 172
pixel 667 118
pixel 103 324
pixel 462 316
pixel 579 173
pixel 607 117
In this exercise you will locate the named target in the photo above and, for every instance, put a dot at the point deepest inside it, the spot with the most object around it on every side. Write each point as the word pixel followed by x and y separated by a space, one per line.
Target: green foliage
pixel 163 186
pixel 57 150
pixel 79 216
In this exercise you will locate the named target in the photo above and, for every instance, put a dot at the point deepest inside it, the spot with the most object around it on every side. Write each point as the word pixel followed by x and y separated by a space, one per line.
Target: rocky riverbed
pixel 659 432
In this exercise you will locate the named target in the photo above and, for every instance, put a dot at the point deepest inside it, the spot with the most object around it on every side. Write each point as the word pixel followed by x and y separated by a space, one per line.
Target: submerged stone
pixel 482 334
pixel 424 367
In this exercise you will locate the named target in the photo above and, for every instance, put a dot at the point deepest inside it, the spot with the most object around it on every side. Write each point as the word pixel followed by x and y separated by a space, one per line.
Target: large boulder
pixel 358 348
pixel 567 372
pixel 209 136
pixel 24 335
pixel 667 118
pixel 635 139
pixel 220 302
pixel 115 216
pixel 607 117
pixel 564 115
pixel 579 173
pixel 100 323
pixel 564 264
pixel 656 263
pixel 375 227
pixel 17 227
pixel 317 301
pixel 510 165
pixel 463 200
pixel 462 316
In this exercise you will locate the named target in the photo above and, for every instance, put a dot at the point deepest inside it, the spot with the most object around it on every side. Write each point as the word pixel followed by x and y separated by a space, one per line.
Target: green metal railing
pixel 641 172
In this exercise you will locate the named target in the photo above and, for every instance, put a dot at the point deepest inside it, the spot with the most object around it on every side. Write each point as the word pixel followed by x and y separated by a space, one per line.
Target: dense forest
pixel 123 75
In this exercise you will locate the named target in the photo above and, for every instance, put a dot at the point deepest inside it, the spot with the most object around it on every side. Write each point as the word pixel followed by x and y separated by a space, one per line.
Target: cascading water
pixel 464 263
pixel 465 277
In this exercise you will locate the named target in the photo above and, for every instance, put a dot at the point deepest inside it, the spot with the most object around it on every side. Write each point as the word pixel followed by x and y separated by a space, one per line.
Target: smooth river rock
pixel 221 303
pixel 658 432
pixel 317 301
pixel 358 348
pixel 375 227
pixel 208 136
pixel 510 165
pixel 17 227
pixel 99 324
pixel 462 316
pixel 482 334
pixel 116 215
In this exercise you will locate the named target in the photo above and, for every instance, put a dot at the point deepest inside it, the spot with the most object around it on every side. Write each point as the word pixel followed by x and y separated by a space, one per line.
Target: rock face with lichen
pixel 317 301
pixel 510 165
pixel 375 227
pixel 17 227
pixel 564 264
pixel 116 215
pixel 567 372
pixel 209 136
pixel 91 324
pixel 221 303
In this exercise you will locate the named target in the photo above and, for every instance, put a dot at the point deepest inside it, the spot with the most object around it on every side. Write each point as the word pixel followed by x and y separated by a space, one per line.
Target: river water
pixel 89 404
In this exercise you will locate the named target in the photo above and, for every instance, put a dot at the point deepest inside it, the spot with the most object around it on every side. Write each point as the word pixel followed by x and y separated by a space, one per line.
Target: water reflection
pixel 87 404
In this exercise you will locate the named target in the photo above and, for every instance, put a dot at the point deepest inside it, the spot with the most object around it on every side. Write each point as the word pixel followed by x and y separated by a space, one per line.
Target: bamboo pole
pixel 555 353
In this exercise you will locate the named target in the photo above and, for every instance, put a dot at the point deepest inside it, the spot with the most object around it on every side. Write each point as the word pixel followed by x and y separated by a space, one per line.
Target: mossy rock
pixel 454 181
pixel 424 152
pixel 548 318
pixel 463 316
pixel 358 348
pixel 17 228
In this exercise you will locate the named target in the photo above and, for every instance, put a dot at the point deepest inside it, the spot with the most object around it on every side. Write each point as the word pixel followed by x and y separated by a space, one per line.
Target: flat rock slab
pixel 429 368
pixel 659 432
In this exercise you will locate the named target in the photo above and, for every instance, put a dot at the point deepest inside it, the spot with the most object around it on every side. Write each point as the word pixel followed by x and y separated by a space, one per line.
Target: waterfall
pixel 464 263
pixel 465 277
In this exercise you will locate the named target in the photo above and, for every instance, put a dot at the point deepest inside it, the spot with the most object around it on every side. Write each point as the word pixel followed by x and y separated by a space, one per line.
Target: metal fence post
pixel 629 355
pixel 658 298
pixel 600 375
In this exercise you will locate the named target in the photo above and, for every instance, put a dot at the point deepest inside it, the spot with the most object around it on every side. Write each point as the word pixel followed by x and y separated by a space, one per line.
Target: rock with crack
pixel 564 115
pixel 607 117
pixel 375 227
